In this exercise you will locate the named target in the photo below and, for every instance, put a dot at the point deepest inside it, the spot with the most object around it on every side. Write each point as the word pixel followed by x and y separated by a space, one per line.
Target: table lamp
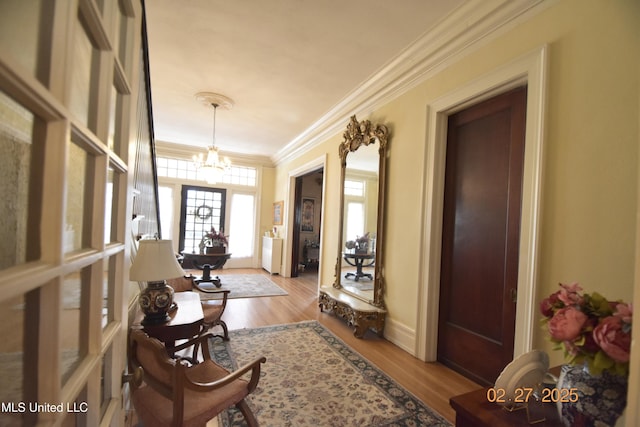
pixel 155 262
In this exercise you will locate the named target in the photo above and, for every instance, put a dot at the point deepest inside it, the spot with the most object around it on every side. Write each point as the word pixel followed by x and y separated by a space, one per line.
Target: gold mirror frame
pixel 359 134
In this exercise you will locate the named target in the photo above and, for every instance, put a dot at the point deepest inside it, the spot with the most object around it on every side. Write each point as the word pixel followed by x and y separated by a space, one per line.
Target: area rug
pixel 244 286
pixel 312 378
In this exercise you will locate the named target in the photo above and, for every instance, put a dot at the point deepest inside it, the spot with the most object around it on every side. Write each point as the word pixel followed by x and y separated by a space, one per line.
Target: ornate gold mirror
pixel 363 158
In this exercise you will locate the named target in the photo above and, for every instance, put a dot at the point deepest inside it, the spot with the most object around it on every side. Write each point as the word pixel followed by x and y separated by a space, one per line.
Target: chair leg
pixel 248 415
pixel 226 331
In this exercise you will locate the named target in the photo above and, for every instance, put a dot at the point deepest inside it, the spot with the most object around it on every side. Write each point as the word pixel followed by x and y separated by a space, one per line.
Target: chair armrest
pixel 200 339
pixel 254 367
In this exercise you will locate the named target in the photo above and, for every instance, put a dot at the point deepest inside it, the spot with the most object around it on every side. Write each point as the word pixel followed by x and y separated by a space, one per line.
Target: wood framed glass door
pixel 69 78
pixel 201 209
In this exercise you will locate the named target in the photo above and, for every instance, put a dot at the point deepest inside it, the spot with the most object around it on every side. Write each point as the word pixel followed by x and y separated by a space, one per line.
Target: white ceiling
pixel 285 63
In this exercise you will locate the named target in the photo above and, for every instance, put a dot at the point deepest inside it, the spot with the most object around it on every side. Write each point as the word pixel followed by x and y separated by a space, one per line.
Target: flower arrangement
pixel 214 238
pixel 590 329
pixel 360 243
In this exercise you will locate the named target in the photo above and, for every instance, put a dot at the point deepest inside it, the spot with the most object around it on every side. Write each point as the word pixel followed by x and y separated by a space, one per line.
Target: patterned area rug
pixel 312 378
pixel 244 286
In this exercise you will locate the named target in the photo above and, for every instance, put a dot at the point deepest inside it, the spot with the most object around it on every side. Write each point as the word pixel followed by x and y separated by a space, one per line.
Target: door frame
pixel 530 70
pixel 287 250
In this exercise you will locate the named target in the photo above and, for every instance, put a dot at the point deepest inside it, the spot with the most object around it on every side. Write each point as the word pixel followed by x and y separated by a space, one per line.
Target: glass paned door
pixel 202 208
pixel 67 111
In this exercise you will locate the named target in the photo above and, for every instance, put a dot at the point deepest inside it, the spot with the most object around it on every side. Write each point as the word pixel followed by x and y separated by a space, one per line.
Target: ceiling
pixel 284 63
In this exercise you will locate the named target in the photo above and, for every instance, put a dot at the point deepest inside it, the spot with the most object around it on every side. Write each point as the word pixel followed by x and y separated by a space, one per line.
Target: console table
pixel 216 261
pixel 359 314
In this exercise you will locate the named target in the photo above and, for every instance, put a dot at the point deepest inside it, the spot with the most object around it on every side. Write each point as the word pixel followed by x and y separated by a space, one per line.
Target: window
pixel 354 188
pixel 355 220
pixel 242 224
pixel 184 169
pixel 165 200
pixel 354 208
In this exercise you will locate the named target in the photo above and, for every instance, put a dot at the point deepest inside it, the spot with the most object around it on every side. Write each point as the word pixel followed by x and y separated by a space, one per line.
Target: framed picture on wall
pixel 277 212
pixel 308 214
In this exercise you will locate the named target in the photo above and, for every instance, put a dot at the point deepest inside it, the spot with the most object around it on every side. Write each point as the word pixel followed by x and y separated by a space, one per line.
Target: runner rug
pixel 244 286
pixel 312 378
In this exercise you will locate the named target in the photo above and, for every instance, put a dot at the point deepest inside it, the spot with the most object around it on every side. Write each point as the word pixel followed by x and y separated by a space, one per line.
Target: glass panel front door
pixel 202 209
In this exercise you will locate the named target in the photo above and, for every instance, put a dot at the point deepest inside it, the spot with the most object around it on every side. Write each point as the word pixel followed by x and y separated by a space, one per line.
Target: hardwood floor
pixel 432 383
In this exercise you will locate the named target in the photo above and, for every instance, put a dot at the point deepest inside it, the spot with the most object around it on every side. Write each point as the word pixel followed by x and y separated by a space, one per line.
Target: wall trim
pixel 529 69
pixel 400 335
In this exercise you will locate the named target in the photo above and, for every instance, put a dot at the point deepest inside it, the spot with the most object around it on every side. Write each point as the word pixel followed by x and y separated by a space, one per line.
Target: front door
pixel 202 208
pixel 480 236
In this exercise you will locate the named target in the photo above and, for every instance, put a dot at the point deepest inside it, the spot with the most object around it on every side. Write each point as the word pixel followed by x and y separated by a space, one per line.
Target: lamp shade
pixel 155 261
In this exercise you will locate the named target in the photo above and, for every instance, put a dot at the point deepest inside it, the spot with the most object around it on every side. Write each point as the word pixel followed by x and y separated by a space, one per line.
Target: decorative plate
pixel 527 370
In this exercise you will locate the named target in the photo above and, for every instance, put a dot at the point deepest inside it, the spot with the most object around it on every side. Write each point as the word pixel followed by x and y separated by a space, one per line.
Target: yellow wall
pixel 266 200
pixel 590 154
pixel 328 231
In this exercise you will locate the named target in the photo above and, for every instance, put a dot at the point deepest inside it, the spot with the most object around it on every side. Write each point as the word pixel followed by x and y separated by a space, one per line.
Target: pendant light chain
pixel 215 109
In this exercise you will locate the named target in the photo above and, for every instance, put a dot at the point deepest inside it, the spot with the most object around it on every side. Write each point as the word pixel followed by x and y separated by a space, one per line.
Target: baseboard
pixel 401 335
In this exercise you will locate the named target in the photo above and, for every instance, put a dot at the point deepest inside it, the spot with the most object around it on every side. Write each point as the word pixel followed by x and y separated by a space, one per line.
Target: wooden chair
pixel 212 309
pixel 176 393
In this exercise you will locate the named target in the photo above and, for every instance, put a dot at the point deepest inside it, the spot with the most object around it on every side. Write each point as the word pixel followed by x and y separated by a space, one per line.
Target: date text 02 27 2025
pixel 524 394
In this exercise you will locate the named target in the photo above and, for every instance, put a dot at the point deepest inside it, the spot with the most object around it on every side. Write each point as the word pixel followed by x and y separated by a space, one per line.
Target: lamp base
pixel 155 301
pixel 151 319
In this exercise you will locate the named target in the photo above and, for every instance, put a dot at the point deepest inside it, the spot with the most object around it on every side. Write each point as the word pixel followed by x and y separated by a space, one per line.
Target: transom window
pixel 184 169
pixel 354 188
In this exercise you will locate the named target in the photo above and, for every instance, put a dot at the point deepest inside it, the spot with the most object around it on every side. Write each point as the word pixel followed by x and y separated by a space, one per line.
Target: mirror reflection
pixel 358 267
pixel 360 217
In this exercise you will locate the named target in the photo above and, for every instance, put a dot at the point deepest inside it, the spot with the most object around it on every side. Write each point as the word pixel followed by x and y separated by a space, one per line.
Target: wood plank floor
pixel 433 383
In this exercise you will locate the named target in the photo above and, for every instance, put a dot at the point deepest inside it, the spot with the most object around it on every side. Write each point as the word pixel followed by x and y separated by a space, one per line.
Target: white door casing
pixel 528 70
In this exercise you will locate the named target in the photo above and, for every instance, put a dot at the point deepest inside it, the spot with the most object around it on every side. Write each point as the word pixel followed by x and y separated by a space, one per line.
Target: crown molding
pixel 461 32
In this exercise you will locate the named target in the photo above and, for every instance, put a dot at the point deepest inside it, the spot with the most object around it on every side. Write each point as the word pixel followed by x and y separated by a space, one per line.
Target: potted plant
pixel 360 244
pixel 214 242
pixel 595 336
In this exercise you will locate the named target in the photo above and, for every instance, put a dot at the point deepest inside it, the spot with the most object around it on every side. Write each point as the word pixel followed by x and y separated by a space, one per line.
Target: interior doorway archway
pixel 318 164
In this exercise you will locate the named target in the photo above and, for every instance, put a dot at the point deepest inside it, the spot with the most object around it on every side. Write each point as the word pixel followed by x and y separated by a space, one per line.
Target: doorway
pixel 481 236
pixel 307 221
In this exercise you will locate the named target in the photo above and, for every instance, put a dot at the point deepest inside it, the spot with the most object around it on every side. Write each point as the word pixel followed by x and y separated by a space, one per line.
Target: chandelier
pixel 213 166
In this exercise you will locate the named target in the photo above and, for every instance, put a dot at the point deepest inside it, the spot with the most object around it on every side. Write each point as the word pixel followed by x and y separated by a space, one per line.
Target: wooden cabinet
pixel 271 254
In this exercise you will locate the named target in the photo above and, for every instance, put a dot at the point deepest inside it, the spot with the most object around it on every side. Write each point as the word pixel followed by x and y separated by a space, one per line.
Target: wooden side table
pixel 473 409
pixel 186 321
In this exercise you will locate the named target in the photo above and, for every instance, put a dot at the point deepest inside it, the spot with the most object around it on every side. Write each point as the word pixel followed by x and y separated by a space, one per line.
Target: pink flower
pixel 625 312
pixel 611 338
pixel 566 324
pixel 547 305
pixel 570 294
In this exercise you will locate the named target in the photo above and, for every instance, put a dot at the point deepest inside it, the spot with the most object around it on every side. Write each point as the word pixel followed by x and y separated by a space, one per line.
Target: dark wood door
pixel 481 235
